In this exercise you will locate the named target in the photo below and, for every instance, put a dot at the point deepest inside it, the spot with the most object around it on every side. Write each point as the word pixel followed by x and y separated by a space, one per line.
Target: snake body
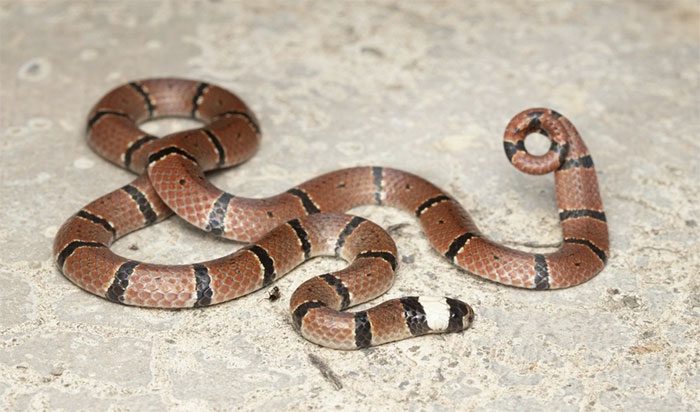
pixel 307 220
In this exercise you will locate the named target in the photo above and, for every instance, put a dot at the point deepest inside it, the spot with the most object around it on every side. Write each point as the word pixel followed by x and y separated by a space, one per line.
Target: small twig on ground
pixel 326 371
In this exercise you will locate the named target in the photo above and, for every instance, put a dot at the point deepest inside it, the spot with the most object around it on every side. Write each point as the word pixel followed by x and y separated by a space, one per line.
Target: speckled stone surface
pixel 427 87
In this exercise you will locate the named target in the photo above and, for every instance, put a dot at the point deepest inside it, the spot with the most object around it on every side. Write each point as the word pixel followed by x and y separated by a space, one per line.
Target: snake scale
pixel 307 220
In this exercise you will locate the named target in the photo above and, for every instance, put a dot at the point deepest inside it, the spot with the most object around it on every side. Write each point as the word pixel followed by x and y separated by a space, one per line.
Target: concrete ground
pixel 423 86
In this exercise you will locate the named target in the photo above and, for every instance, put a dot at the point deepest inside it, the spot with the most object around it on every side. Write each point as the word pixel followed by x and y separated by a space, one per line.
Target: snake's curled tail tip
pixel 547 122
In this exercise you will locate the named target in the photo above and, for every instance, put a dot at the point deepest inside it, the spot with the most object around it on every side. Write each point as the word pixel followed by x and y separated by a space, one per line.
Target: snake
pixel 308 220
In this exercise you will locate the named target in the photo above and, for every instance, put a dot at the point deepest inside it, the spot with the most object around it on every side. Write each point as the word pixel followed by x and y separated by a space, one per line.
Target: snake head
pixel 445 314
pixel 461 315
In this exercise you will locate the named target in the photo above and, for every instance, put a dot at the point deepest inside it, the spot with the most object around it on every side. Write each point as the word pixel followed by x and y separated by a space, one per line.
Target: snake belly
pixel 305 221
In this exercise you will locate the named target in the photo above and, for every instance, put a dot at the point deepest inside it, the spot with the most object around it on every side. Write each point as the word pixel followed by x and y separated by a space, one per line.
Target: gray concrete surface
pixel 427 87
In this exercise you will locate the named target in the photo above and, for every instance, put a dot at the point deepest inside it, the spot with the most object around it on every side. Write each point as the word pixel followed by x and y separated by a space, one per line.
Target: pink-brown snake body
pixel 307 220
